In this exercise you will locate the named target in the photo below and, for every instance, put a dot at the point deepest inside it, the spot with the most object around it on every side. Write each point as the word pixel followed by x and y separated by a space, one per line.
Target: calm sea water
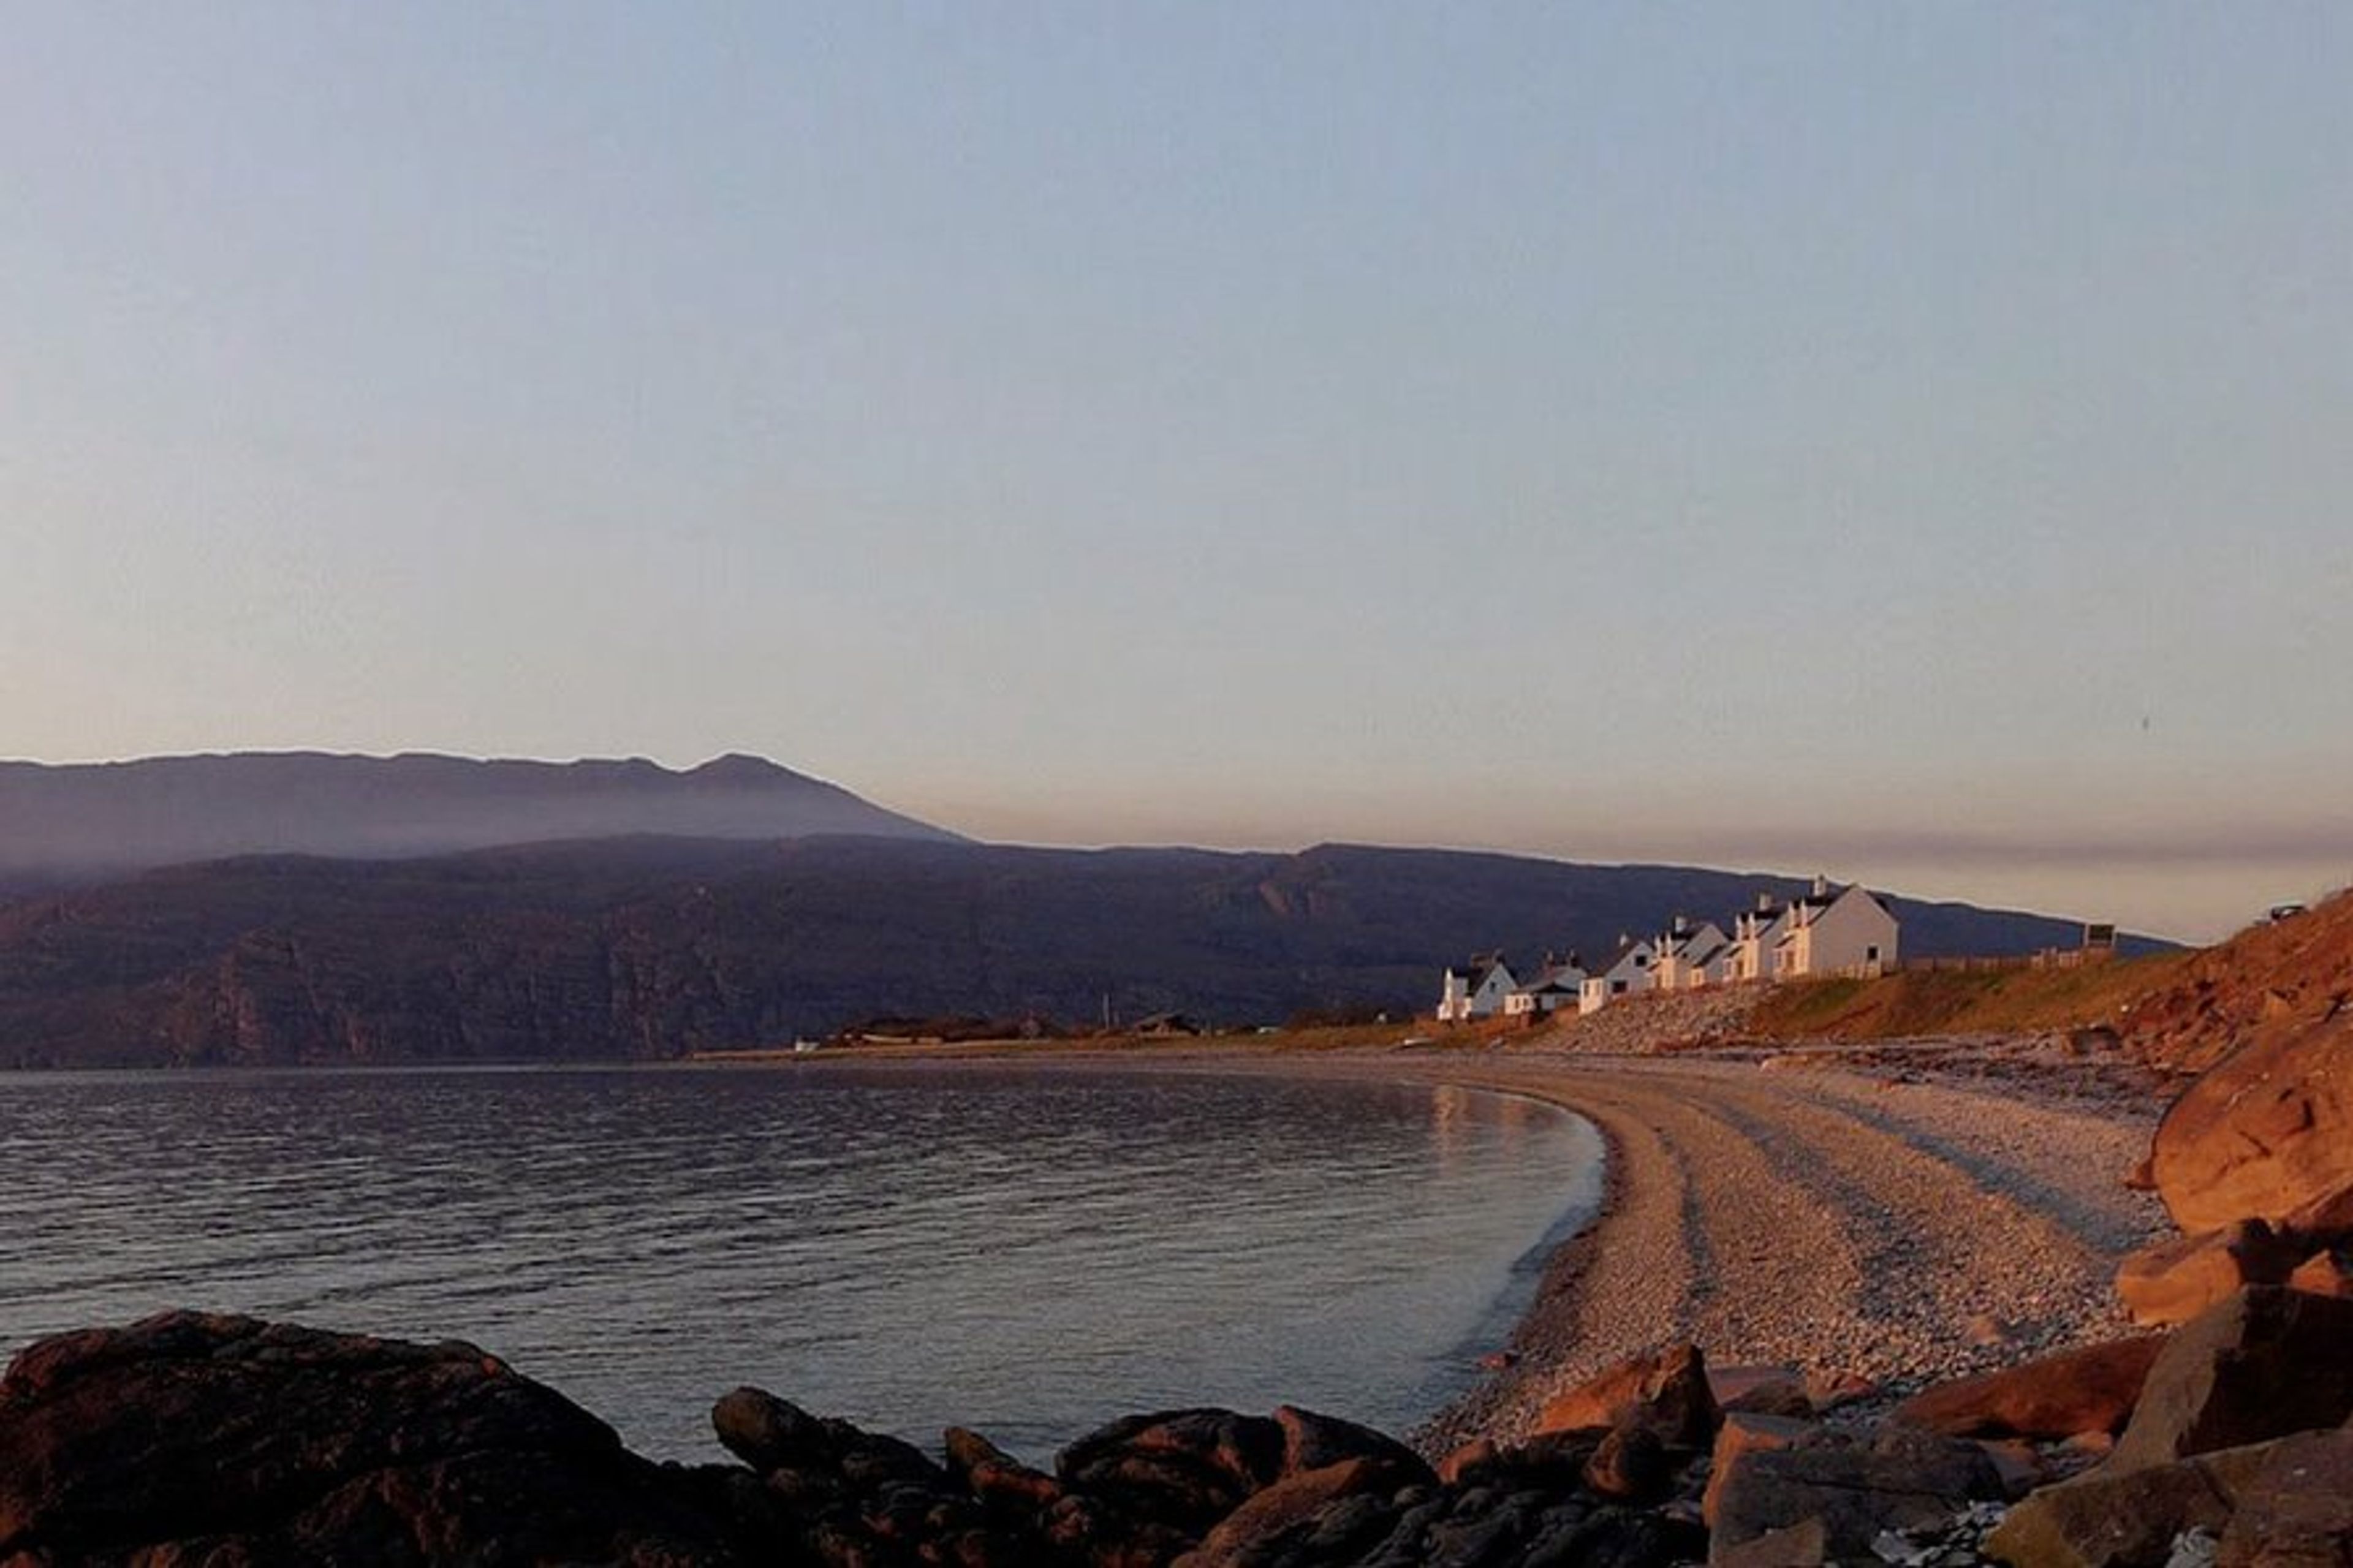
pixel 1028 1251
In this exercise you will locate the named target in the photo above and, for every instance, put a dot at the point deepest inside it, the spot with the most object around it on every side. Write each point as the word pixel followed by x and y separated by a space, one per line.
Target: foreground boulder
pixel 197 1437
pixel 2265 1133
pixel 2091 1389
pixel 2265 1363
pixel 2173 1281
pixel 1829 1496
pixel 1666 1391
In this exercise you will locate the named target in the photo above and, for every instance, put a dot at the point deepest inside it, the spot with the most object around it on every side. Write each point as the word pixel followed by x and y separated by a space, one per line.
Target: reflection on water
pixel 1027 1252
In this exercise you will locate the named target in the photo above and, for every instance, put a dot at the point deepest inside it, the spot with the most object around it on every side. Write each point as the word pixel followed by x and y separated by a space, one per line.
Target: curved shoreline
pixel 1869 1233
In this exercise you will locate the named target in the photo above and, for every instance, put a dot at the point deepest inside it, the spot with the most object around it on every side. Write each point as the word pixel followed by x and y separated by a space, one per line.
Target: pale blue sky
pixel 1911 442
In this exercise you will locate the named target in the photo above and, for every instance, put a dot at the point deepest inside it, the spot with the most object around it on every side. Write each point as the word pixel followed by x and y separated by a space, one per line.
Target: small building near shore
pixel 1626 970
pixel 1554 989
pixel 1843 930
pixel 1475 990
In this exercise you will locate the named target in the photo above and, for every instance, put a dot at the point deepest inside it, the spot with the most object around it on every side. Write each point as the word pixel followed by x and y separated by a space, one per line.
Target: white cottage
pixel 1627 969
pixel 1555 987
pixel 1475 990
pixel 1755 934
pixel 1690 956
pixel 1846 930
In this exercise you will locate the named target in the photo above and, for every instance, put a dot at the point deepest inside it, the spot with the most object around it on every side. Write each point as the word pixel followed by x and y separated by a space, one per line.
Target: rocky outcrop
pixel 2173 1281
pixel 2090 1389
pixel 196 1438
pixel 2267 1134
pixel 2265 1363
pixel 1839 1492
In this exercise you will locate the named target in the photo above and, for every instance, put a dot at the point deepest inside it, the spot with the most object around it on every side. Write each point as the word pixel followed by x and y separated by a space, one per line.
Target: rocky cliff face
pixel 652 947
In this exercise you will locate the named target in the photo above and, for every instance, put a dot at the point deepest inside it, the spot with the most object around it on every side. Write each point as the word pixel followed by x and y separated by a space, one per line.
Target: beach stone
pixel 1631 1463
pixel 2328 1272
pixel 995 1477
pixel 2089 1389
pixel 1313 1442
pixel 1766 1390
pixel 1184 1468
pixel 2265 1133
pixel 1805 1544
pixel 1554 1461
pixel 2129 1518
pixel 1900 1478
pixel 196 1437
pixel 2264 1363
pixel 2297 1507
pixel 1249 1533
pixel 2173 1281
pixel 1666 1389
pixel 1746 1432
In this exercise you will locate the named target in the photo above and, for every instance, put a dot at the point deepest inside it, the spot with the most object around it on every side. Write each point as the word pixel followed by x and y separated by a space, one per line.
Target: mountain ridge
pixel 649 947
pixel 80 821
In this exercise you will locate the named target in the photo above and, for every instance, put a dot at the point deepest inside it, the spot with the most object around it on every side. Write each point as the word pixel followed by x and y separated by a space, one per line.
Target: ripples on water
pixel 1029 1252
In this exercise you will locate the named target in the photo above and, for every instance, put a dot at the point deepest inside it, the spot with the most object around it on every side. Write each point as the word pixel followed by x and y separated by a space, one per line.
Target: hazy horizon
pixel 1904 443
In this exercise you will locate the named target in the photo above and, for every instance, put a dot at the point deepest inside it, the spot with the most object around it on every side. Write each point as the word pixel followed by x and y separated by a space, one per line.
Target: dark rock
pixel 2091 1389
pixel 1289 1506
pixel 1631 1463
pixel 2297 1507
pixel 1312 1442
pixel 1902 1478
pixel 1182 1470
pixel 2173 1281
pixel 192 1437
pixel 2264 1363
pixel 2125 1519
pixel 1746 1432
pixel 995 1478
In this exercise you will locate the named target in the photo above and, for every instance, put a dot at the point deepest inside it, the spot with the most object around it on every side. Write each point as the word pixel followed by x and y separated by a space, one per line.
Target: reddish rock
pixel 1667 1390
pixel 1766 1390
pixel 191 1436
pixel 2266 1133
pixel 995 1478
pixel 2267 1362
pixel 1185 1469
pixel 2090 1389
pixel 1746 1432
pixel 1631 1463
pixel 1313 1442
pixel 1242 1534
pixel 2173 1281
pixel 2328 1272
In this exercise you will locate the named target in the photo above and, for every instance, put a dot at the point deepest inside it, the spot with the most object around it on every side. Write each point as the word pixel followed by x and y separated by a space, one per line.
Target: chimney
pixel 1821 886
pixel 1763 902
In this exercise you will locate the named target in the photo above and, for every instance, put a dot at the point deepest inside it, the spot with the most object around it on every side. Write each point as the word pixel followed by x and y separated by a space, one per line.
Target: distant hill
pixel 649 947
pixel 67 823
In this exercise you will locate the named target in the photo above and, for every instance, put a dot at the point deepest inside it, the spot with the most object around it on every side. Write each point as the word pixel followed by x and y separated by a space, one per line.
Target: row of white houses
pixel 1830 931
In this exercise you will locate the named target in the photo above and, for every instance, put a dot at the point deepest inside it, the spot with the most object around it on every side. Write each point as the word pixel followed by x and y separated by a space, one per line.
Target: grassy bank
pixel 1963 1002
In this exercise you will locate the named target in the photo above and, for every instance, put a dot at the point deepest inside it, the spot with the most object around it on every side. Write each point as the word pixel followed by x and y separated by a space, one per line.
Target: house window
pixel 1617 988
pixel 1871 954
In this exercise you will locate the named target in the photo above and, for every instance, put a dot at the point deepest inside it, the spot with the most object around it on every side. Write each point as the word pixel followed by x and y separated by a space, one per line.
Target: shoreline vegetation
pixel 1848 1296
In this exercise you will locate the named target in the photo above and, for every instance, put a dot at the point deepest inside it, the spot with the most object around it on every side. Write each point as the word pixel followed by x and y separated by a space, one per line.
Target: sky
pixel 1911 442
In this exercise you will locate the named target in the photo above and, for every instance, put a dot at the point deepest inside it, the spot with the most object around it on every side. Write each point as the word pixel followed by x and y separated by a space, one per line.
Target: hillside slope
pixel 650 947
